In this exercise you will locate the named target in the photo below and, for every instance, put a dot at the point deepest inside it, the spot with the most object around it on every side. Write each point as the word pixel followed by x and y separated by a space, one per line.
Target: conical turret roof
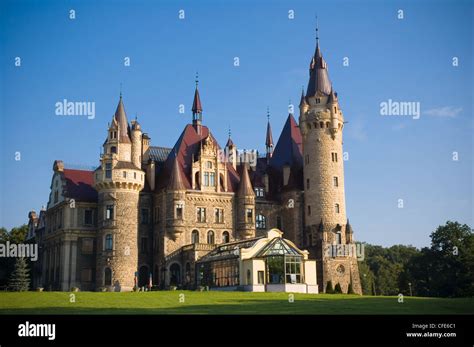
pixel 121 119
pixel 176 180
pixel 245 186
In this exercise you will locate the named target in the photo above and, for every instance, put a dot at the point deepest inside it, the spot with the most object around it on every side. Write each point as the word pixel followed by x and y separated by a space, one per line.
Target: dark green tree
pixel 20 277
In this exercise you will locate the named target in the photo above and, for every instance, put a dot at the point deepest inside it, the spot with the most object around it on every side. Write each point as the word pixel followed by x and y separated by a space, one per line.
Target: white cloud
pixel 445 112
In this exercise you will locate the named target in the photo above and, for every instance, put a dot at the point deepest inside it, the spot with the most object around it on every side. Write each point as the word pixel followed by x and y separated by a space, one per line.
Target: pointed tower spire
pixel 303 98
pixel 121 119
pixel 319 82
pixel 245 186
pixel 269 138
pixel 229 140
pixel 176 179
pixel 197 108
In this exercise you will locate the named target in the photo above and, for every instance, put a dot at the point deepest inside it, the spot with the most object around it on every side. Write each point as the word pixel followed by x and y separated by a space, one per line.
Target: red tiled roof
pixel 79 185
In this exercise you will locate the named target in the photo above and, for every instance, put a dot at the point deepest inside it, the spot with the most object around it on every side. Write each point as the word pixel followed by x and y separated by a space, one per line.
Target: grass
pixel 167 302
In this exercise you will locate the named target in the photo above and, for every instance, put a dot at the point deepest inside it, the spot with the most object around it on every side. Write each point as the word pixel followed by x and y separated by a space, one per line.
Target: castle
pixel 152 215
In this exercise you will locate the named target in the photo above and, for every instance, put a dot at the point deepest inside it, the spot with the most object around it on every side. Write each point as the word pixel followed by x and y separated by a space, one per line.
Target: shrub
pixel 329 288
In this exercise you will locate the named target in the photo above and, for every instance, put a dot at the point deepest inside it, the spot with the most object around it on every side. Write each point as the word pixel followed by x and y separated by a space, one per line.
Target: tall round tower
pixel 321 123
pixel 118 181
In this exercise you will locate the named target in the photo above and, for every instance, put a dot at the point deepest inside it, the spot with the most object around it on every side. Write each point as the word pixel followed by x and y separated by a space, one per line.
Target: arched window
pixel 336 208
pixel 197 180
pixel 261 221
pixel 195 236
pixel 107 277
pixel 338 238
pixel 210 237
pixel 108 242
pixel 315 124
pixel 327 124
pixel 225 237
pixel 321 125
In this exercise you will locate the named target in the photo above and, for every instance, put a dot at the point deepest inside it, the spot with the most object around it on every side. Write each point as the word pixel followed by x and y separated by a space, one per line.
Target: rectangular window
pixel 108 170
pixel 87 246
pixel 307 183
pixel 334 157
pixel 309 210
pixel 125 174
pixel 201 214
pixel 212 179
pixel 336 207
pixel 293 269
pixel 88 217
pixel 259 192
pixel 206 179
pixel 109 212
pixel 179 211
pixel 108 242
pixel 219 215
pixel 134 175
pixel 249 215
pixel 144 216
pixel 336 181
pixel 144 245
pixel 261 277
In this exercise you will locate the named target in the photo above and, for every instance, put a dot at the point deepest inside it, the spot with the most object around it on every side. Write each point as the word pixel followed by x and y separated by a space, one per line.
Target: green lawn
pixel 167 302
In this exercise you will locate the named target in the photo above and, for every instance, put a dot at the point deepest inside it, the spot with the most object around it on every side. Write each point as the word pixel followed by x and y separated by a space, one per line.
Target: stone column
pixel 73 263
pixel 64 265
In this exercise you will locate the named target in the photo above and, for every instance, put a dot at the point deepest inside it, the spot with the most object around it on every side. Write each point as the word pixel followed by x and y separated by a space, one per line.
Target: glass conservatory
pixel 269 263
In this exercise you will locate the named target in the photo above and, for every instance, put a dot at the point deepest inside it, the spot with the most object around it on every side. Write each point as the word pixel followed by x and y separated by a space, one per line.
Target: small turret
pixel 269 139
pixel 231 152
pixel 175 197
pixel 136 134
pixel 245 205
pixel 197 109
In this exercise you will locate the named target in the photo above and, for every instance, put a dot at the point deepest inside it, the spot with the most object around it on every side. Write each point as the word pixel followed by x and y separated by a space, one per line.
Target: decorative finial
pixel 229 132
pixel 120 90
pixel 317 30
pixel 268 113
pixel 197 79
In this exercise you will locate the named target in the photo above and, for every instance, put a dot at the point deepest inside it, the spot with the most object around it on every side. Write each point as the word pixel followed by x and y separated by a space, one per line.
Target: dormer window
pixel 208 165
pixel 318 100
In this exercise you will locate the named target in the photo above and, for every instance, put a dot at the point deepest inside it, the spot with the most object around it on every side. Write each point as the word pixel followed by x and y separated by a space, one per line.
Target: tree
pixel 329 288
pixel 338 289
pixel 20 278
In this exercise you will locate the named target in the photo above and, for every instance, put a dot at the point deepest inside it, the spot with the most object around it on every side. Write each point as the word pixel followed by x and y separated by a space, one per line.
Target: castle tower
pixel 269 139
pixel 245 206
pixel 197 110
pixel 118 181
pixel 231 152
pixel 175 198
pixel 136 137
pixel 321 123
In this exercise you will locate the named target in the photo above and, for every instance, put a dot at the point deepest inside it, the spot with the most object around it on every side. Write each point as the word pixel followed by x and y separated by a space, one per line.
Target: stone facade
pixel 147 214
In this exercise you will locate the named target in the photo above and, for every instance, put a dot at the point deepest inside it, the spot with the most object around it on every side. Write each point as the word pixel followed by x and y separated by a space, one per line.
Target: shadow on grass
pixel 314 306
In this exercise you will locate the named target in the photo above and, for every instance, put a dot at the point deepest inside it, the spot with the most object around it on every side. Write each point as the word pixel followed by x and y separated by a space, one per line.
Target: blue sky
pixel 390 157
